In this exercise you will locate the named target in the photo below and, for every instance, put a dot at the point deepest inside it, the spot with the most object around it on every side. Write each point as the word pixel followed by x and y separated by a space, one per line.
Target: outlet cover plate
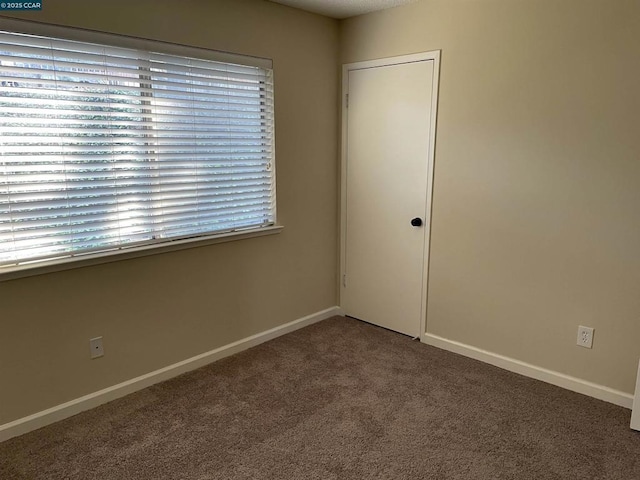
pixel 97 349
pixel 585 337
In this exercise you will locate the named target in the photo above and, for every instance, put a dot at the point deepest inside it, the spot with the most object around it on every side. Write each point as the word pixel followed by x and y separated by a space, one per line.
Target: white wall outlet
pixel 585 336
pixel 97 350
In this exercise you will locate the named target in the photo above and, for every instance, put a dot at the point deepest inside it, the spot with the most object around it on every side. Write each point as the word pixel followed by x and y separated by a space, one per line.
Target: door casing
pixel 417 57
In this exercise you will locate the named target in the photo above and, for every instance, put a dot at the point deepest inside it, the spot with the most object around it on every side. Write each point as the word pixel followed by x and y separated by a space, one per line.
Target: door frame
pixel 389 61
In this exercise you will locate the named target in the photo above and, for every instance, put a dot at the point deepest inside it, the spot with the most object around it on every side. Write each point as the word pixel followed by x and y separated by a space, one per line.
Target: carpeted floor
pixel 338 400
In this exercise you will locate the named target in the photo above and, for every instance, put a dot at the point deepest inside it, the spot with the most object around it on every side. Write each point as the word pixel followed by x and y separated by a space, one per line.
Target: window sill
pixel 41 268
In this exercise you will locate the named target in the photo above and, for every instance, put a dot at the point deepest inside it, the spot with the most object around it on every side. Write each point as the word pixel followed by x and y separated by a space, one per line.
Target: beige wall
pixel 162 309
pixel 536 211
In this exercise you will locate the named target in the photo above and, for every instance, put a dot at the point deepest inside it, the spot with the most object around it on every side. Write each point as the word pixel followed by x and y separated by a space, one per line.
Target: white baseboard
pixel 73 407
pixel 549 376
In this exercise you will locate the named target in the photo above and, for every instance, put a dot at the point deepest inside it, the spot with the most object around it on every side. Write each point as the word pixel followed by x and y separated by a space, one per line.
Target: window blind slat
pixel 36 213
pixel 40 228
pixel 171 181
pixel 53 208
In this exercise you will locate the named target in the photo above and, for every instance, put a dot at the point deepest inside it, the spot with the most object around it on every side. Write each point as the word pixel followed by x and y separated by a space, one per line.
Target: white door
pixel 387 164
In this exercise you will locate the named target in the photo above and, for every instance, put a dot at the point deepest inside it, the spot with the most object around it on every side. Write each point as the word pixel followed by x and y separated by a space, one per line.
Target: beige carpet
pixel 338 400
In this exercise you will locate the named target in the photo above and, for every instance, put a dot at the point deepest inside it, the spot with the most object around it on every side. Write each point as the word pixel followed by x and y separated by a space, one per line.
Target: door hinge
pixel 344 280
pixel 347 100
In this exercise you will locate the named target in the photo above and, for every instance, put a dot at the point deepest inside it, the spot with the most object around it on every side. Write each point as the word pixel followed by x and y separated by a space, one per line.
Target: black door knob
pixel 416 222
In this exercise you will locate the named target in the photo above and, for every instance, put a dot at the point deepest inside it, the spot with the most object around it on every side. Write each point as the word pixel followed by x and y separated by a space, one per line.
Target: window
pixel 110 148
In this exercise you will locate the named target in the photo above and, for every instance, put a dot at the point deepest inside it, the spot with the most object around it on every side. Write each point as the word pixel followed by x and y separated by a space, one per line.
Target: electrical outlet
pixel 97 350
pixel 585 337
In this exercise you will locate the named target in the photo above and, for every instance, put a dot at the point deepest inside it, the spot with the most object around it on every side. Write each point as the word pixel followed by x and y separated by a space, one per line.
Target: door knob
pixel 416 222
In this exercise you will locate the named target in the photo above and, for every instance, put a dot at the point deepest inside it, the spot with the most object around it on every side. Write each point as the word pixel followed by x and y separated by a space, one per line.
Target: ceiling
pixel 342 8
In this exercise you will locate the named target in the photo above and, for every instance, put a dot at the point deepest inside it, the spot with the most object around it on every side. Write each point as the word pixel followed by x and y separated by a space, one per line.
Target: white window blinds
pixel 106 147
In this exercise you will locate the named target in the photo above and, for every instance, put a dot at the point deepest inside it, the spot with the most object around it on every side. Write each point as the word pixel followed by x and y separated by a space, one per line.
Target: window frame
pixel 122 252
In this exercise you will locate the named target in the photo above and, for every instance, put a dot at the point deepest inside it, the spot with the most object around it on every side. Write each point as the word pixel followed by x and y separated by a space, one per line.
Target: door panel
pixel 387 165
